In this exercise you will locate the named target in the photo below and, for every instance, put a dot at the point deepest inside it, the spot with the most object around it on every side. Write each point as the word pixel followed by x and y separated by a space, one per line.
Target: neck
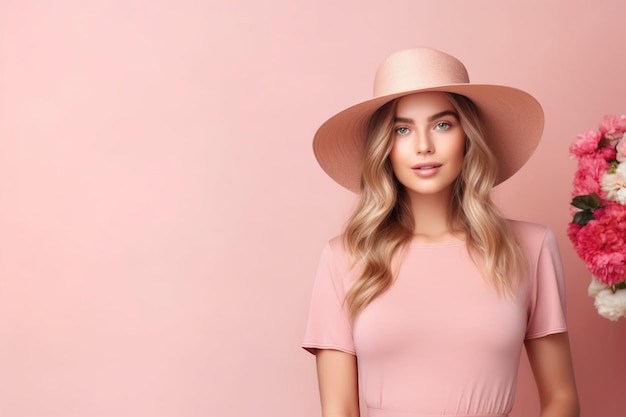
pixel 431 216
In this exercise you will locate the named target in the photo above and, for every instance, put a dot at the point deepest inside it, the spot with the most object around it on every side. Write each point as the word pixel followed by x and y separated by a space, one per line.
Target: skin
pixel 428 131
pixel 551 362
pixel 338 383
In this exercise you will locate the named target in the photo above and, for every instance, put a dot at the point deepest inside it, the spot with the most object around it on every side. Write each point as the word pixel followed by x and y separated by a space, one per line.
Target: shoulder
pixel 335 250
pixel 336 258
pixel 528 230
pixel 536 240
pixel 336 244
pixel 530 234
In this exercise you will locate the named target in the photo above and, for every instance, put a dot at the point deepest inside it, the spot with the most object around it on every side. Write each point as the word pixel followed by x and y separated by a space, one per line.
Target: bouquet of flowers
pixel 598 227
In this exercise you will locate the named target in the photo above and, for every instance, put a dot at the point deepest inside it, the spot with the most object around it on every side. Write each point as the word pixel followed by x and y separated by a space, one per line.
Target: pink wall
pixel 161 213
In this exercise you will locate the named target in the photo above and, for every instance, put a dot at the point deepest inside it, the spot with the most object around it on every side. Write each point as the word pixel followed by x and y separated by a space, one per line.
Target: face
pixel 428 144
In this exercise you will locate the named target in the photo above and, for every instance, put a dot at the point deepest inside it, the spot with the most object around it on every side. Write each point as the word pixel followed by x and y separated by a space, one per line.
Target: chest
pixel 440 304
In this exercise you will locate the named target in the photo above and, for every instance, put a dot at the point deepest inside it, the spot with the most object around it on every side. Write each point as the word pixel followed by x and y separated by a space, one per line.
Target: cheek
pixel 394 156
pixel 459 148
pixel 399 157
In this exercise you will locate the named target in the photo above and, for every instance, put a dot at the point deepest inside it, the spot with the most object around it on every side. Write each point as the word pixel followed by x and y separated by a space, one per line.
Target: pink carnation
pixel 602 244
pixel 620 150
pixel 583 246
pixel 613 127
pixel 609 266
pixel 572 231
pixel 588 175
pixel 585 144
pixel 599 212
pixel 607 153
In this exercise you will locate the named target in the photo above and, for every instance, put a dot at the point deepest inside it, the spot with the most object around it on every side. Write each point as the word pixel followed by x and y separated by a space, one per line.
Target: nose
pixel 423 143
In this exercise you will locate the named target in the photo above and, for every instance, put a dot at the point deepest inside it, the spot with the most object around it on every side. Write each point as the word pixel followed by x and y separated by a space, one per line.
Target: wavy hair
pixel 382 223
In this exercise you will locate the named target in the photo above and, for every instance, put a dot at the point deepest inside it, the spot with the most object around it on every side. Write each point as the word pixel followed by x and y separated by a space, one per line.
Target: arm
pixel 338 383
pixel 551 362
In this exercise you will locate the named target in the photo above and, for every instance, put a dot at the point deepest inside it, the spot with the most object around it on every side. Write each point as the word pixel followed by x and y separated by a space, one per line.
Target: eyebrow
pixel 430 119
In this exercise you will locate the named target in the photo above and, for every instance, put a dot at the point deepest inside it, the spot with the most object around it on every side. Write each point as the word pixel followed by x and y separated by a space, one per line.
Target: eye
pixel 442 126
pixel 402 130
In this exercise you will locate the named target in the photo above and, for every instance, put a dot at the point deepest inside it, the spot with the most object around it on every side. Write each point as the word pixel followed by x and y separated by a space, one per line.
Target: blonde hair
pixel 382 222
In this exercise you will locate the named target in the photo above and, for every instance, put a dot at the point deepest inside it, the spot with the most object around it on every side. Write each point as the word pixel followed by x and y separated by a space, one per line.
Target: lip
pixel 421 165
pixel 426 169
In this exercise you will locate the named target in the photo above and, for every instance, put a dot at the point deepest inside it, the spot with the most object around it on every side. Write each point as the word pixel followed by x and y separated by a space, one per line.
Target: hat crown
pixel 417 69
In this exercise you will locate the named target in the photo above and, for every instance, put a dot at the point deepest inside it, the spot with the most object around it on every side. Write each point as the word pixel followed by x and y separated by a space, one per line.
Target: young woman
pixel 422 306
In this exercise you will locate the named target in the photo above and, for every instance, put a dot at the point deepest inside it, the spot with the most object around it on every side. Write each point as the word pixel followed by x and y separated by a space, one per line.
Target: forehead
pixel 427 102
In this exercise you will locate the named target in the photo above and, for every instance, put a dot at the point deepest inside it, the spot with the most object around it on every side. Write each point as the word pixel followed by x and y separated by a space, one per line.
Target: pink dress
pixel 440 341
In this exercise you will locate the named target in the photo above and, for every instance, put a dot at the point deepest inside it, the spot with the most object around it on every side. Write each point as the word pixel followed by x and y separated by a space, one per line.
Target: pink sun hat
pixel 513 119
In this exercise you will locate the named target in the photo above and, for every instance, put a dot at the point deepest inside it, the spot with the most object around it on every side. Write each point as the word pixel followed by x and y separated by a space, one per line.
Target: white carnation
pixel 595 287
pixel 615 184
pixel 611 305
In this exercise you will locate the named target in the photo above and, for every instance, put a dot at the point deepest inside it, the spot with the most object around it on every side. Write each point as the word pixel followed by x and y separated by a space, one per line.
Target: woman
pixel 422 306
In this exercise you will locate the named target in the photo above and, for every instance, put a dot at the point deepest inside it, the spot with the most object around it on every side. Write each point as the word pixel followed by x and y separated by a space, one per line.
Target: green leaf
pixel 583 217
pixel 587 202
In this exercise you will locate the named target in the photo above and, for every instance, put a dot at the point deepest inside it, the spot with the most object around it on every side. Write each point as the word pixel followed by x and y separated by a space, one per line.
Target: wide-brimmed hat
pixel 513 119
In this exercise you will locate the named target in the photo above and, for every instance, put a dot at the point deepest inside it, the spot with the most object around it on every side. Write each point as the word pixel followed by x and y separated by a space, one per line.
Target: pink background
pixel 161 212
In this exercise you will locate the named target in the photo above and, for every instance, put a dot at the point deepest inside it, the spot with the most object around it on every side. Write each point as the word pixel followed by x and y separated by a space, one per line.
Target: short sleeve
pixel 328 325
pixel 546 301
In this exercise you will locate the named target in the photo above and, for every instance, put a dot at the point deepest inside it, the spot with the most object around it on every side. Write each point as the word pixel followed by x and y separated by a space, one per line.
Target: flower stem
pixel 618 286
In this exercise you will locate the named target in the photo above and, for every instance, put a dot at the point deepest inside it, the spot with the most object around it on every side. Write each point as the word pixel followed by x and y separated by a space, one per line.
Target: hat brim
pixel 513 121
